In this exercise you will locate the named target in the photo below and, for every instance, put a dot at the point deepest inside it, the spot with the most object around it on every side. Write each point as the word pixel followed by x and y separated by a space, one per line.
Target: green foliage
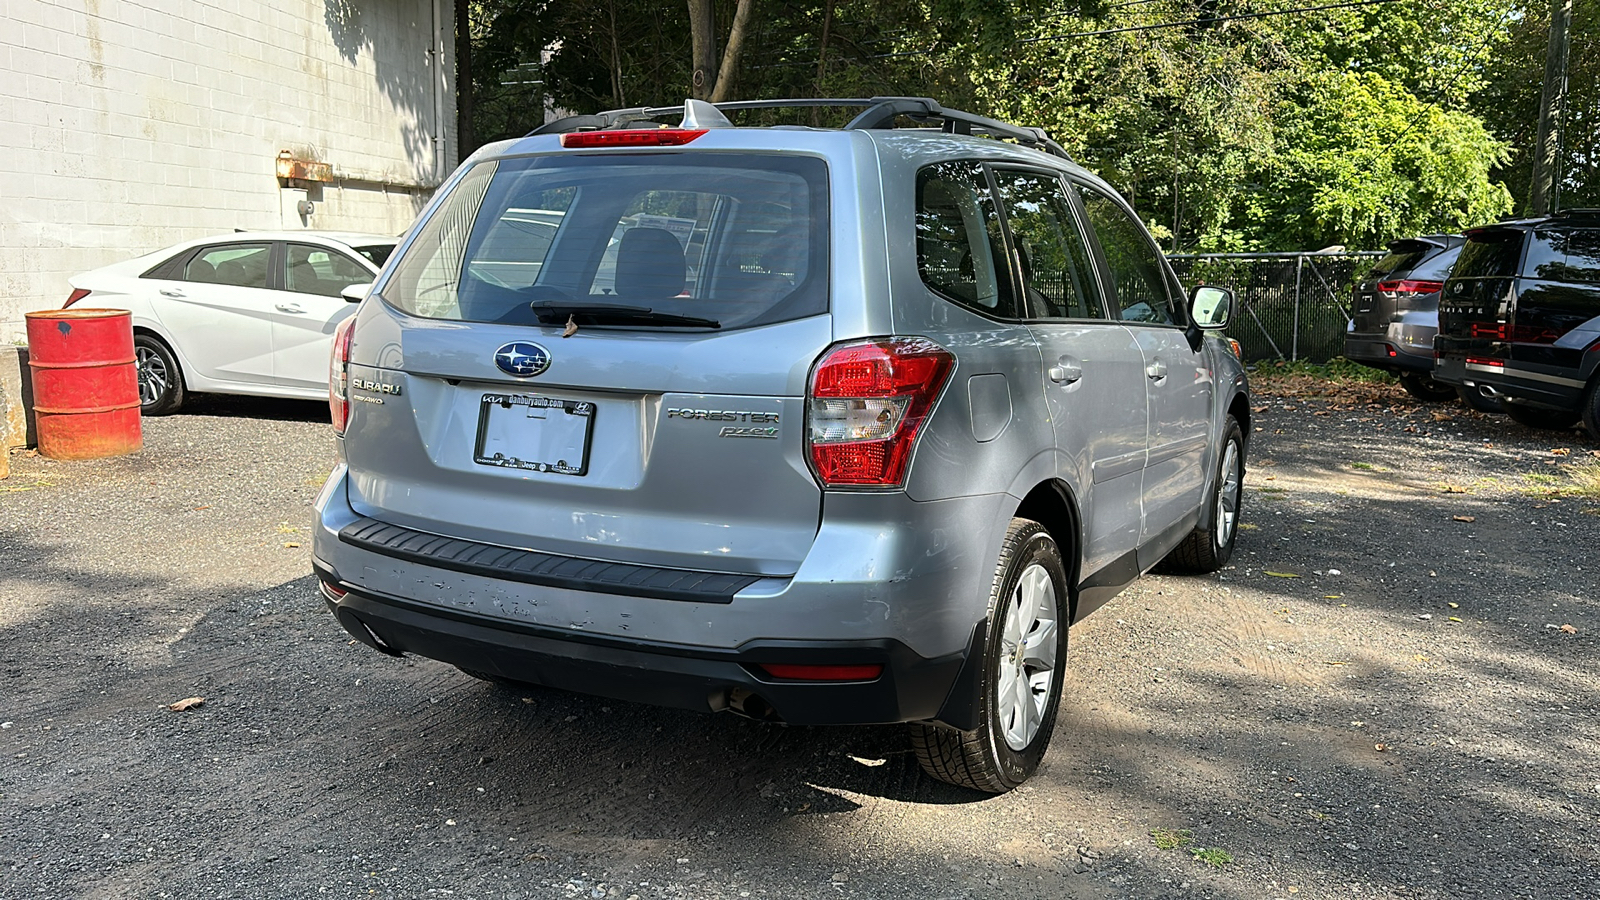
pixel 1292 132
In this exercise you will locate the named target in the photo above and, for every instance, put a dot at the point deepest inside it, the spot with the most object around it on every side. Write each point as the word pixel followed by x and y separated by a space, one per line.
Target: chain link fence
pixel 1290 305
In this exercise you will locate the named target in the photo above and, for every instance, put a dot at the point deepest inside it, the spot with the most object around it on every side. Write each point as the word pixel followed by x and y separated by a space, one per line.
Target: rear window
pixel 1437 266
pixel 1400 259
pixel 1489 254
pixel 738 239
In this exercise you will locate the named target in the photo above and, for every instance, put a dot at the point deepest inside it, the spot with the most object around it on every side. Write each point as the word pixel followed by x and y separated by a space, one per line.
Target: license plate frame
pixel 500 428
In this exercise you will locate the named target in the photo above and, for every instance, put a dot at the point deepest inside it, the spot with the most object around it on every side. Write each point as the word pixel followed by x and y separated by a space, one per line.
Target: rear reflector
pixel 822 673
pixel 1392 353
pixel 651 137
pixel 76 295
pixel 333 591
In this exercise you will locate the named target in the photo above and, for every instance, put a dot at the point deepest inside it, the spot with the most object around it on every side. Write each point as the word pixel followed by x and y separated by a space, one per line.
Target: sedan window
pixel 240 265
pixel 318 270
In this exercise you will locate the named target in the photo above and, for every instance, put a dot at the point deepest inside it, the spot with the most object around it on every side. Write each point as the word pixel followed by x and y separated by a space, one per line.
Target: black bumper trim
pixel 544 569
pixel 911 688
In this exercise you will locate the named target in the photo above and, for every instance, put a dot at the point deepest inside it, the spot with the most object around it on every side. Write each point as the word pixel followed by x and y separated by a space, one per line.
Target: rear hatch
pixel 603 355
pixel 1407 279
pixel 1476 308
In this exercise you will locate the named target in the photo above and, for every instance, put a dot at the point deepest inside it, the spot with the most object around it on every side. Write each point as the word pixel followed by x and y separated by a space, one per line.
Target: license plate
pixel 540 434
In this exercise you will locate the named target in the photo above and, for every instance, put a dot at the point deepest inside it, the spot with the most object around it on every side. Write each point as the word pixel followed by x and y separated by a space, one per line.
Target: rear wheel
pixel 1208 549
pixel 1542 419
pixel 160 379
pixel 1025 655
pixel 1424 388
pixel 1474 398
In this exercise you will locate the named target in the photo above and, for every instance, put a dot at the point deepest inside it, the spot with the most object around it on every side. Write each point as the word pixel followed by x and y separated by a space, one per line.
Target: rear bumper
pixel 889 581
pixel 1404 348
pixel 1554 390
pixel 910 688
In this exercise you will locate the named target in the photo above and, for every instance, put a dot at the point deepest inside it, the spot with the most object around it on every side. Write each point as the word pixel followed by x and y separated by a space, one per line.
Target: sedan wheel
pixel 160 379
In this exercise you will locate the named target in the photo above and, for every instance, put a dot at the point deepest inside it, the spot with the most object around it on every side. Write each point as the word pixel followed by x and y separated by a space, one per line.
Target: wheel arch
pixel 1051 503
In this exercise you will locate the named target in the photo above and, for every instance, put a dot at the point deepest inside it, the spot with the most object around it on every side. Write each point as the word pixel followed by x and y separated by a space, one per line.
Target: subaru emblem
pixel 523 359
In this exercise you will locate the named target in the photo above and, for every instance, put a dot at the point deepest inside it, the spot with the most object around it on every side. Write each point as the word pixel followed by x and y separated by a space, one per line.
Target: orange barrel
pixel 85 384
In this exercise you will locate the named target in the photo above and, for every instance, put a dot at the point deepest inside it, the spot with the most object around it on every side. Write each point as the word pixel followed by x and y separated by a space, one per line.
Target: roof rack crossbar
pixel 879 112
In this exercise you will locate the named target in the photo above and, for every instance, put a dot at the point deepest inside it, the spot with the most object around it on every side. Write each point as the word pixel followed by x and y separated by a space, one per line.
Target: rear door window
pixel 1567 255
pixel 960 251
pixel 1057 274
pixel 738 239
pixel 239 265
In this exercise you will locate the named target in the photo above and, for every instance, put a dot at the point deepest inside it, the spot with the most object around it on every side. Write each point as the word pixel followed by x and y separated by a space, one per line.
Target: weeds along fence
pixel 1290 305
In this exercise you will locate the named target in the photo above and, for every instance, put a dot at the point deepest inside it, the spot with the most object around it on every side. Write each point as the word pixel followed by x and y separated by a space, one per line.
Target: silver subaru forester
pixel 812 425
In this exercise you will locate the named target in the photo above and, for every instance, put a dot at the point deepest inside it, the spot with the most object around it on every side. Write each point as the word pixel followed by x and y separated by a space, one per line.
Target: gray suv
pixel 811 425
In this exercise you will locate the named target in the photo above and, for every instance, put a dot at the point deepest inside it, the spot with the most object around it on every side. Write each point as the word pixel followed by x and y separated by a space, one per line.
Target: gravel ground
pixel 1377 699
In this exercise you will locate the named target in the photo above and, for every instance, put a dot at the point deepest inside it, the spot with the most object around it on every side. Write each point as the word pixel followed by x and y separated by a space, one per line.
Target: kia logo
pixel 523 359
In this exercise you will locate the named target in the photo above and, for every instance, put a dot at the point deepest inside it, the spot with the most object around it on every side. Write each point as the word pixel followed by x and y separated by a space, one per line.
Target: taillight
pixel 867 403
pixel 339 377
pixel 1486 361
pixel 76 295
pixel 1521 334
pixel 1407 286
pixel 648 137
pixel 823 673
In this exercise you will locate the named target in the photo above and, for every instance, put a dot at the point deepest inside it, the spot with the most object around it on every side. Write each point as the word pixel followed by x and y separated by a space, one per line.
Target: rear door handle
pixel 290 308
pixel 172 292
pixel 1066 370
pixel 1157 370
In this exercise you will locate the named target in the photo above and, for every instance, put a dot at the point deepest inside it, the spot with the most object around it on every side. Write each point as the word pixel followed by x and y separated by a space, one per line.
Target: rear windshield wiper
pixel 555 312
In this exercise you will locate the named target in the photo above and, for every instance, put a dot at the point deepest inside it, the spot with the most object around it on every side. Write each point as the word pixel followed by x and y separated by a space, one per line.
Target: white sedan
pixel 244 313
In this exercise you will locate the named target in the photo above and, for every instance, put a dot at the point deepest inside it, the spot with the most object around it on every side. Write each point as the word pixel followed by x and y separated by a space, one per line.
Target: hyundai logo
pixel 523 359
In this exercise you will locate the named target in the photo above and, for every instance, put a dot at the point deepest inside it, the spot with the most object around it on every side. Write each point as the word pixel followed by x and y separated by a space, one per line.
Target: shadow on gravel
pixel 239 406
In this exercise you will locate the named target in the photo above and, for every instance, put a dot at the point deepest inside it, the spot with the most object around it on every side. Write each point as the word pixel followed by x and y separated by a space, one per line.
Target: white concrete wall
pixel 129 125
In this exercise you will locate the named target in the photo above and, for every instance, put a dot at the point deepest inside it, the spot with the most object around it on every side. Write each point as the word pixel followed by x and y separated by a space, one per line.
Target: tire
pixel 1591 409
pixel 1207 549
pixel 1542 419
pixel 160 380
pixel 1426 389
pixel 1473 398
pixel 1029 612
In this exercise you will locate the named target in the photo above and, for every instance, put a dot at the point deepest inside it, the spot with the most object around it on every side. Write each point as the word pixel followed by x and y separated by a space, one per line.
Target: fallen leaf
pixel 1442 417
pixel 1455 606
pixel 1280 574
pixel 1463 518
pixel 1452 489
pixel 1332 596
pixel 186 703
pixel 1380 747
pixel 198 508
pixel 572 326
pixel 291 544
pixel 1561 451
pixel 1569 629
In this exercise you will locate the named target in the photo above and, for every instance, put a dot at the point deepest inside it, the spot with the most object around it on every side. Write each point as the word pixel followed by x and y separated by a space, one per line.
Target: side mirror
pixel 356 293
pixel 1210 306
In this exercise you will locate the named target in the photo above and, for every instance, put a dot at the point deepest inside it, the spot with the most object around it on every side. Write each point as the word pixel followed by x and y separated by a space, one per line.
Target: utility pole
pixel 1545 194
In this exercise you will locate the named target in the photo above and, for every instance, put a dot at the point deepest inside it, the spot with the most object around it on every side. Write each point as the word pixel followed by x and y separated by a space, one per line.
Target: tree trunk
pixel 723 88
pixel 466 138
pixel 703 33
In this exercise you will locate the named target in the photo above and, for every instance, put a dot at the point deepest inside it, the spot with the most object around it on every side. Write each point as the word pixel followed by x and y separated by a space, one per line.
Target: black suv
pixel 1520 319
pixel 1395 312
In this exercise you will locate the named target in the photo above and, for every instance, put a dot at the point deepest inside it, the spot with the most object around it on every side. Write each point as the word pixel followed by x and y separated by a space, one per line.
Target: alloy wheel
pixel 1027 663
pixel 154 379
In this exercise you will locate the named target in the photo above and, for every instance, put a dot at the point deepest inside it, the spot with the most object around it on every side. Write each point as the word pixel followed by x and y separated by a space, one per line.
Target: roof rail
pixel 877 113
